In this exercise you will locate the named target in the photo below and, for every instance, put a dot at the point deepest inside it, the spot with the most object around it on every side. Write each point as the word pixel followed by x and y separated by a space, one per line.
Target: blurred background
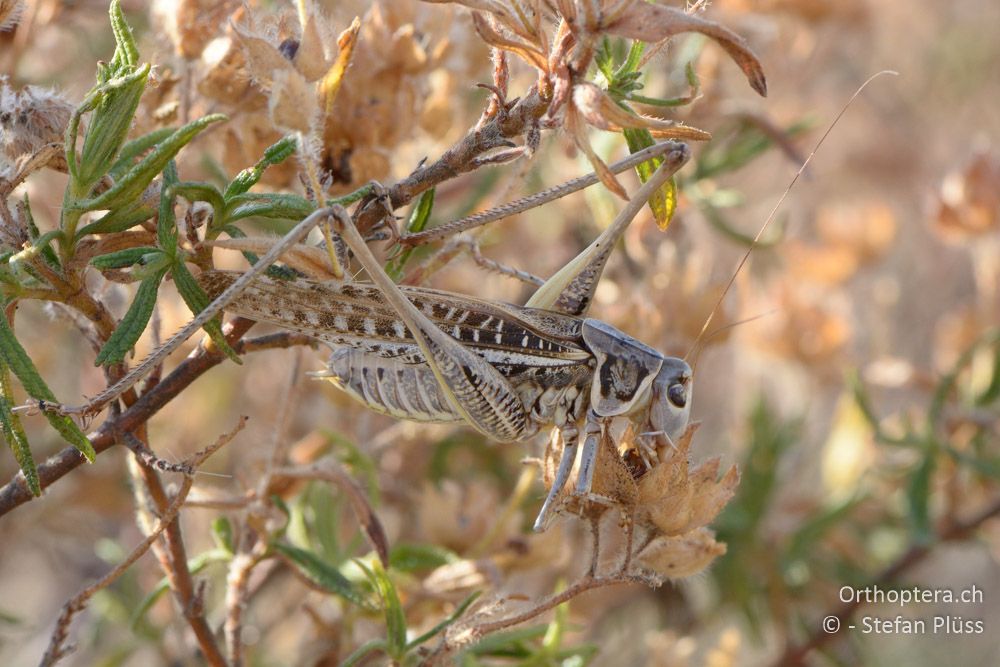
pixel 853 376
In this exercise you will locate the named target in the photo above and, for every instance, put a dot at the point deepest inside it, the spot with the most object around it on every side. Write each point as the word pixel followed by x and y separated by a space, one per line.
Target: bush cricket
pixel 508 371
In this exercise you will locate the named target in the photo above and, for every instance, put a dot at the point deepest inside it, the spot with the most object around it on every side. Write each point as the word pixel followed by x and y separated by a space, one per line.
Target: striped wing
pixel 356 315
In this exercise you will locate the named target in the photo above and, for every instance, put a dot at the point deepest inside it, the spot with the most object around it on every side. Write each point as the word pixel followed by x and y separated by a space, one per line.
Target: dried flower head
pixel 669 505
pixel 560 39
pixel 29 120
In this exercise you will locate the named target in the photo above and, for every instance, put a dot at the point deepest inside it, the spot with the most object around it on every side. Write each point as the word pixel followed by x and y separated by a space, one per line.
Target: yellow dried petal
pixel 335 75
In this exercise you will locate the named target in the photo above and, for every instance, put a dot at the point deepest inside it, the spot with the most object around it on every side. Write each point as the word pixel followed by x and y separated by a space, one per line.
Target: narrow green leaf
pixel 248 178
pixel 135 147
pixel 166 219
pixel 323 574
pixel 918 494
pixel 205 192
pixel 408 557
pixel 122 259
pixel 196 299
pixel 418 221
pixel 18 361
pixel 126 52
pixel 266 205
pixel 362 651
pixel 131 185
pixel 663 203
pixel 352 197
pixel 395 620
pixel 119 219
pixel 42 241
pixel 117 101
pixel 454 616
pixel 133 323
pixel 222 533
pixel 14 433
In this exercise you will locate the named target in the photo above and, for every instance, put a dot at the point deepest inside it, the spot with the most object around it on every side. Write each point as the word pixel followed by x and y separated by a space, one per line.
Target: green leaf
pixel 119 219
pixel 454 616
pixel 323 574
pixel 115 104
pixel 14 433
pixel 202 192
pixel 126 52
pixel 419 216
pixel 416 557
pixel 135 147
pixel 663 203
pixel 918 494
pixel 18 361
pixel 132 184
pixel 166 219
pixel 266 205
pixel 395 620
pixel 222 533
pixel 122 259
pixel 133 323
pixel 196 299
pixel 362 651
pixel 248 178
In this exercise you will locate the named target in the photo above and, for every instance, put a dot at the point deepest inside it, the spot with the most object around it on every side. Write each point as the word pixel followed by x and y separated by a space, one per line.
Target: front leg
pixel 480 394
pixel 570 436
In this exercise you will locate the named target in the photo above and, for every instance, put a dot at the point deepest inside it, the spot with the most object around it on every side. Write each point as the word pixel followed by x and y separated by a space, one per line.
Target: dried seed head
pixel 30 120
pixel 226 77
pixel 292 102
pixel 10 13
pixel 683 556
pixel 310 58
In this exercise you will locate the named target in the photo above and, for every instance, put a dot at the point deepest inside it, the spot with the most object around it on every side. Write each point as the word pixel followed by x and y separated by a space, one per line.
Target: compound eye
pixel 677 394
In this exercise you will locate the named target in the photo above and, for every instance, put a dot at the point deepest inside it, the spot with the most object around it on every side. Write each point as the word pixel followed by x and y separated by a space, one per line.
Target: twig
pixel 464 636
pixel 461 158
pixel 144 367
pixel 57 648
pixel 237 594
pixel 795 655
pixel 16 492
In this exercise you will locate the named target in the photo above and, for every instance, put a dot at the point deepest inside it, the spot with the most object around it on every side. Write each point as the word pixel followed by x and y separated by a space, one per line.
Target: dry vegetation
pixel 848 393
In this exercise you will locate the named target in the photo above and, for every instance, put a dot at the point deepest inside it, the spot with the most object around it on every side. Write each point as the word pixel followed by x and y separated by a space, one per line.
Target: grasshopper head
pixel 670 404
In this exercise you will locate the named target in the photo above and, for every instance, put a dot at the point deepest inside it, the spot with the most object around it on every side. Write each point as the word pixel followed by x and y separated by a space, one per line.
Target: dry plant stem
pixel 795 655
pixel 237 597
pixel 57 649
pixel 462 157
pixel 532 201
pixel 16 493
pixel 582 586
pixel 93 406
pixel 172 556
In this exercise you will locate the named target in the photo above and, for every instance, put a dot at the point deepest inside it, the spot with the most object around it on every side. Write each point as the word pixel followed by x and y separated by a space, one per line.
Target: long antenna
pixel 781 200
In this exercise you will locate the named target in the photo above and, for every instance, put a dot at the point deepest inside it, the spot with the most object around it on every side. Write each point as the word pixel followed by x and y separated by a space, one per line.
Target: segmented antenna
pixel 701 338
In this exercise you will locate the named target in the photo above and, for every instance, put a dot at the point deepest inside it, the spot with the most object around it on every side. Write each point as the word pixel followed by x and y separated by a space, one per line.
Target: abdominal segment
pixel 391 387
